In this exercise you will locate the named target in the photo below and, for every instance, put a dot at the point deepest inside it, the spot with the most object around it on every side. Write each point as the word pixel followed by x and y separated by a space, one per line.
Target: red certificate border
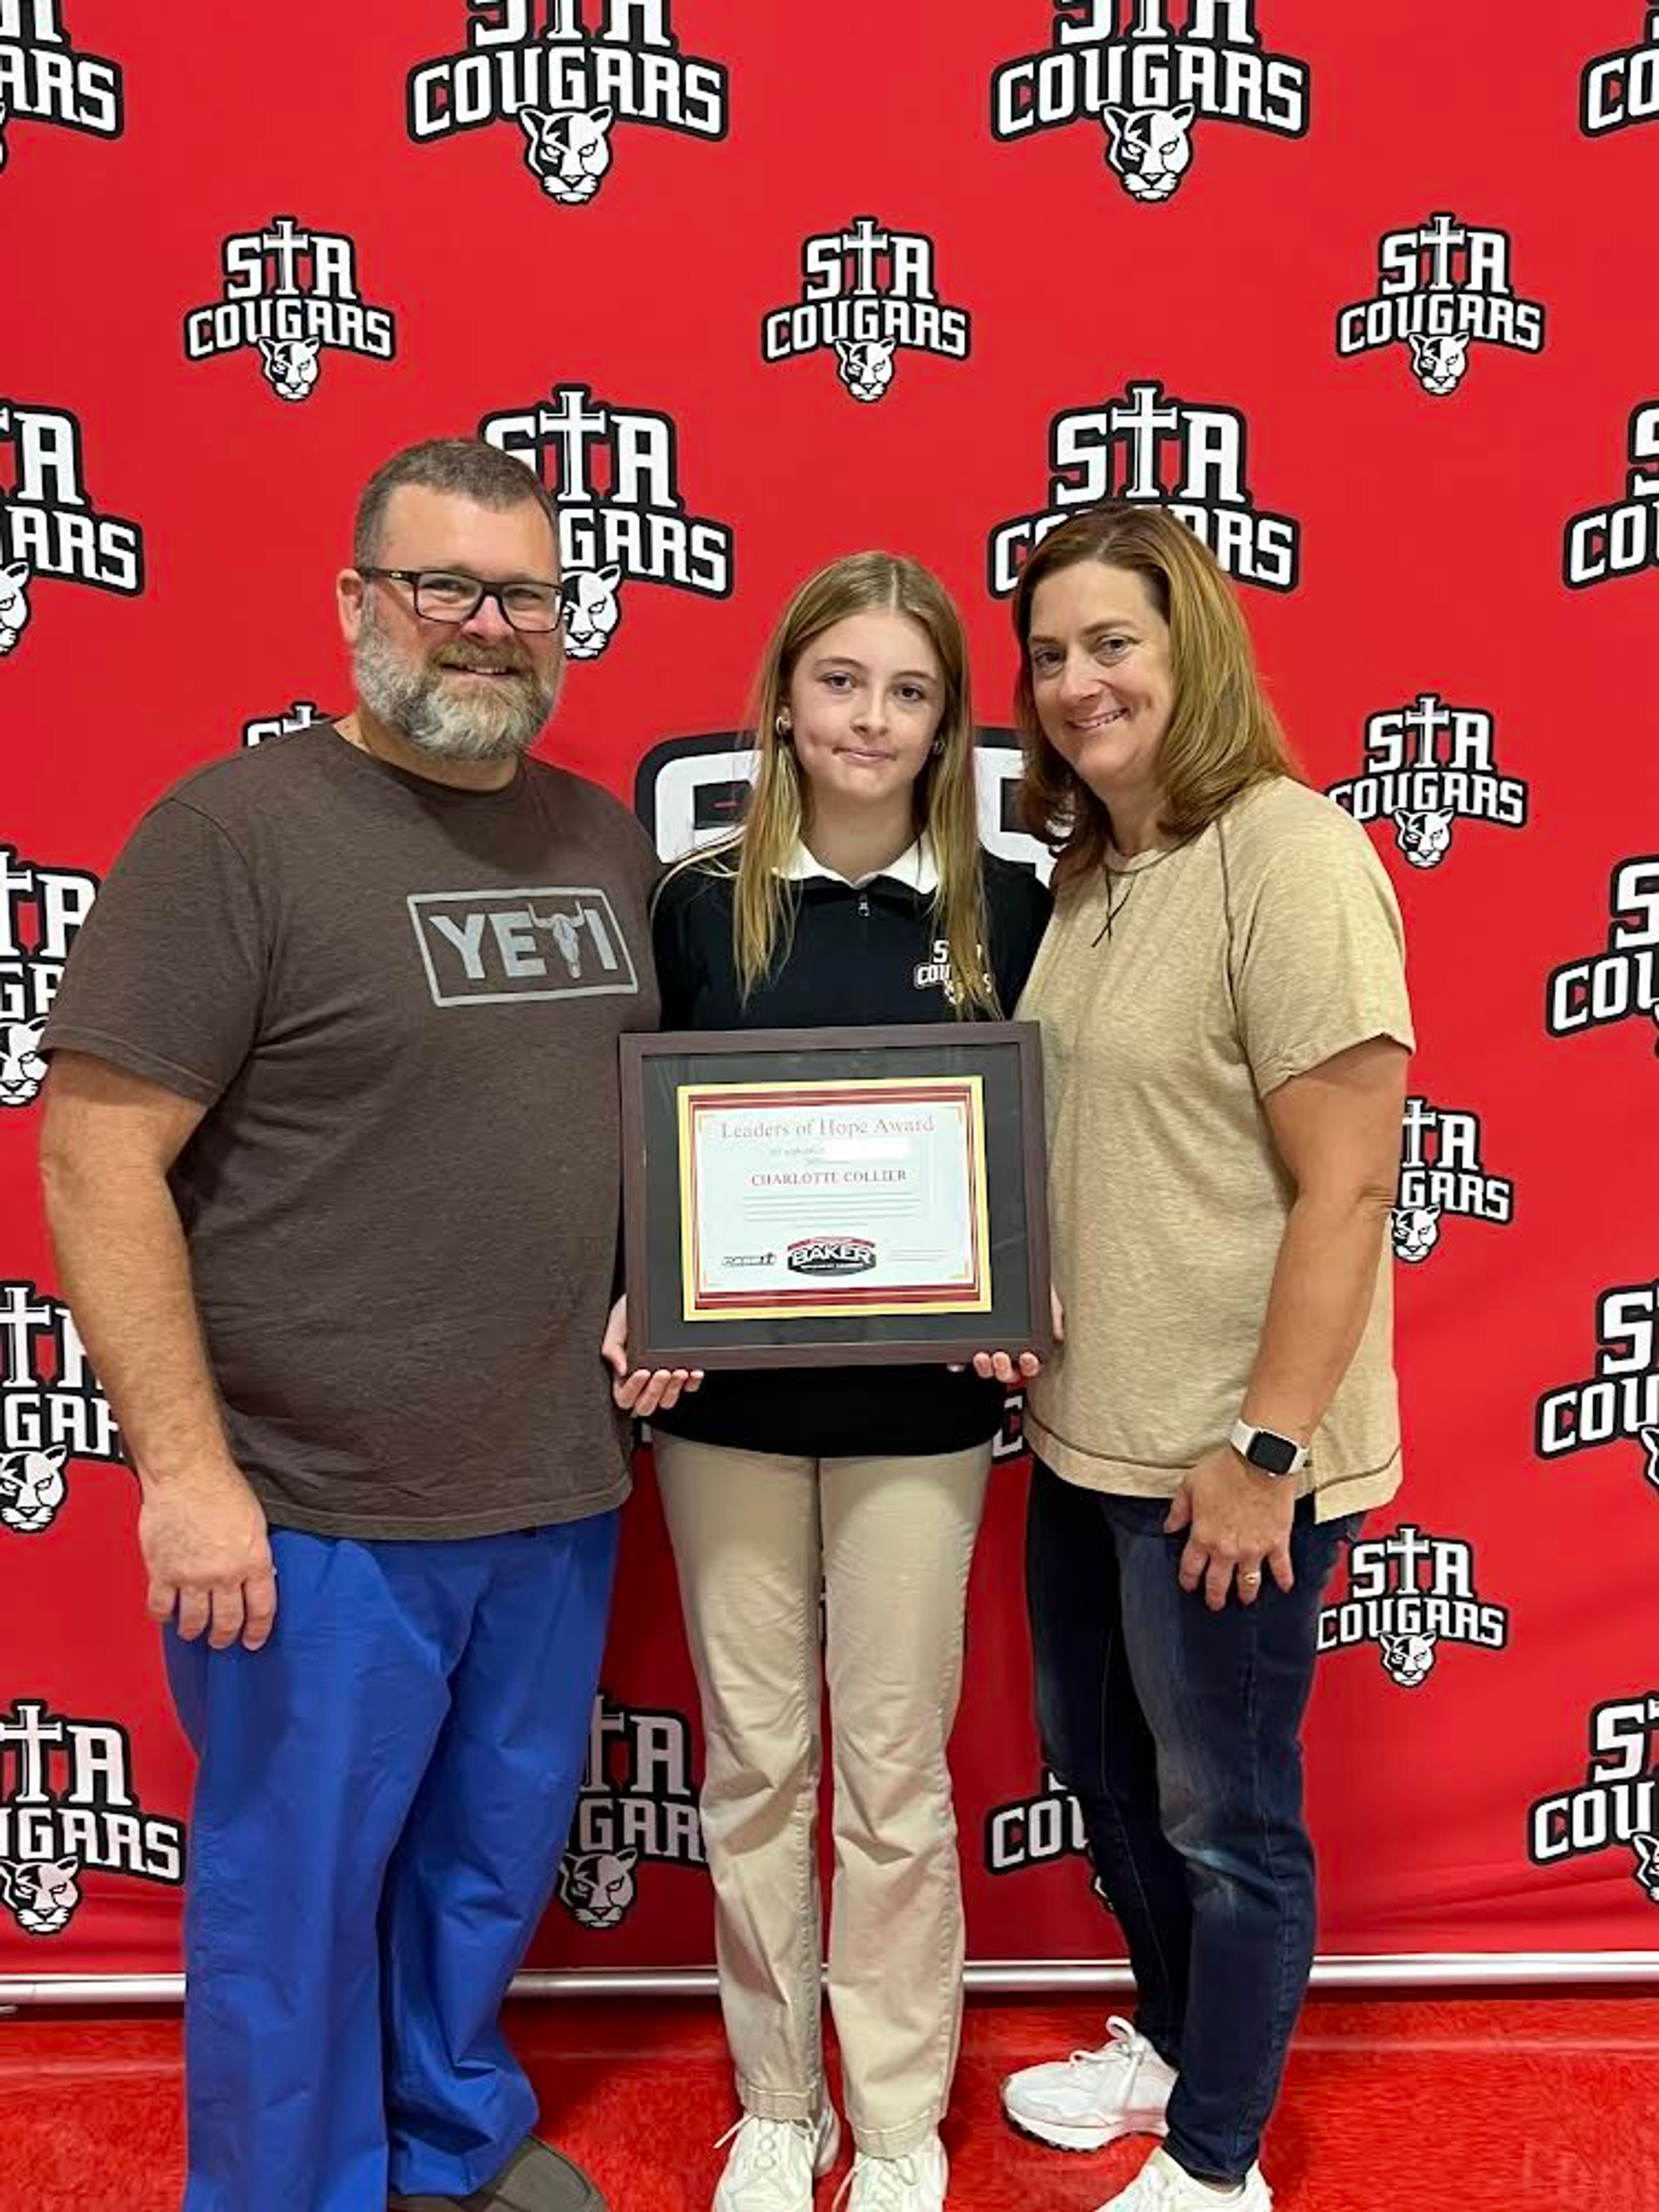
pixel 822 1296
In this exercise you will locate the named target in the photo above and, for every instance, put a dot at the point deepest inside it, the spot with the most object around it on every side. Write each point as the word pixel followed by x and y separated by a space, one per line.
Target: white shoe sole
pixel 1060 2137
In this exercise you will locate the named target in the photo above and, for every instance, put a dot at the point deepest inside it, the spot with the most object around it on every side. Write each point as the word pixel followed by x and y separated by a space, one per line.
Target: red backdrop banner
pixel 1361 291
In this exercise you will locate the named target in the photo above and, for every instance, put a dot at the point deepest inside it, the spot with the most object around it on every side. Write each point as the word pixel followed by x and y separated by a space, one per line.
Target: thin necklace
pixel 1114 908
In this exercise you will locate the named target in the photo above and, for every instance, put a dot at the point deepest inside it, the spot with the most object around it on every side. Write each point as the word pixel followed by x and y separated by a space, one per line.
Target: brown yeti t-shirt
pixel 399 1003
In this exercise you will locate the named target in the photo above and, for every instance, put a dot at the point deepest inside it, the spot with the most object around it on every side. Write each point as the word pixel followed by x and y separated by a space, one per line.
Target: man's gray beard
pixel 416 702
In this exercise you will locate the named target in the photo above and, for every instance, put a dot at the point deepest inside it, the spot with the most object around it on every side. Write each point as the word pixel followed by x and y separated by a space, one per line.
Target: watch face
pixel 1274 1455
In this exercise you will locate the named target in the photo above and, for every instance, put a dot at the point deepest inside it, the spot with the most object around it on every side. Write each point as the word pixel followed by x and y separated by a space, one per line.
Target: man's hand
pixel 208 1554
pixel 1236 1521
pixel 644 1391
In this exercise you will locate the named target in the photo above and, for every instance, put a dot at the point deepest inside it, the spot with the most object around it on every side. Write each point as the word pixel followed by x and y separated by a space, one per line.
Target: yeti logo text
pixel 1143 81
pixel 288 292
pixel 68 1805
pixel 1146 447
pixel 299 716
pixel 1622 1397
pixel 43 80
pixel 1620 89
pixel 635 529
pixel 867 291
pixel 1622 983
pixel 1427 766
pixel 1619 1802
pixel 638 1804
pixel 41 911
pixel 1622 540
pixel 1408 1593
pixel 1441 1173
pixel 485 948
pixel 48 524
pixel 49 1401
pixel 1439 288
pixel 569 73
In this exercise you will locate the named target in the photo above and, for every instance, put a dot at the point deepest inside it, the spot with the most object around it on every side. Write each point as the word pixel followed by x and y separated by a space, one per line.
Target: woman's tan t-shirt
pixel 1268 944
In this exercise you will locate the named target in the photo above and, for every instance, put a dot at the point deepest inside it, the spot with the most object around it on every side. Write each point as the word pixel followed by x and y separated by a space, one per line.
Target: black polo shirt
pixel 866 953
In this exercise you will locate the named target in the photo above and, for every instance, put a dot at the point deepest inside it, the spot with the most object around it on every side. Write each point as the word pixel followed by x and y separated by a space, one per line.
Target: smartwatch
pixel 1267 1451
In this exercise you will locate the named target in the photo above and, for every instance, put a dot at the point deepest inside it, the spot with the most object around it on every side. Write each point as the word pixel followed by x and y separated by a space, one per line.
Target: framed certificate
pixel 825 1197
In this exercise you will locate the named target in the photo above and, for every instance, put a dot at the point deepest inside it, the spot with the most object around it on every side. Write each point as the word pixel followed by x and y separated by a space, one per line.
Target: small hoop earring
pixel 938 748
pixel 781 728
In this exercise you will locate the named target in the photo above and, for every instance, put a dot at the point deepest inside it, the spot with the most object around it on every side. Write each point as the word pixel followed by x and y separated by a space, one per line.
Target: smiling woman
pixel 1226 1030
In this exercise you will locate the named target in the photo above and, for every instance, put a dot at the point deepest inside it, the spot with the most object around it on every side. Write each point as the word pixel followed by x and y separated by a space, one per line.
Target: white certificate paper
pixel 865 1196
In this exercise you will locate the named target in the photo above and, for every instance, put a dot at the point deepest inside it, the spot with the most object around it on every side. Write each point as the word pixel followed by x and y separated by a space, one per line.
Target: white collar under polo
pixel 914 866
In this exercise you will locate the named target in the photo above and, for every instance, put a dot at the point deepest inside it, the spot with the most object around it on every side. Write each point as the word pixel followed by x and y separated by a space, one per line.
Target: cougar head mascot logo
pixel 597 1887
pixel 1646 1849
pixel 1416 1231
pixel 1440 363
pixel 568 153
pixel 22 1071
pixel 291 366
pixel 42 1893
pixel 1150 148
pixel 32 1488
pixel 14 603
pixel 1424 837
pixel 1650 1445
pixel 1408 1660
pixel 866 365
pixel 590 610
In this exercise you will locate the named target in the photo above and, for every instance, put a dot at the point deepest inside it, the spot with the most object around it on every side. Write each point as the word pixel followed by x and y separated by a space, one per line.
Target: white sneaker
pixel 773 2163
pixel 1163 2186
pixel 914 2183
pixel 1093 2097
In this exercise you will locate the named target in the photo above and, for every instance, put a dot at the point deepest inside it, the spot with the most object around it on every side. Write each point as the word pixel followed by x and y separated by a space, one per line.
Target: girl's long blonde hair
pixel 1223 734
pixel 945 793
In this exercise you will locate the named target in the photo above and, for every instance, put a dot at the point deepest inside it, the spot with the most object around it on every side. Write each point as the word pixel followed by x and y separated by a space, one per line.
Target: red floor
pixel 1543 2103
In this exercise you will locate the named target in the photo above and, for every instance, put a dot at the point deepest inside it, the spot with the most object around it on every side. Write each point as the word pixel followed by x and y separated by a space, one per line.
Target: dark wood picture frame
pixel 1007 1054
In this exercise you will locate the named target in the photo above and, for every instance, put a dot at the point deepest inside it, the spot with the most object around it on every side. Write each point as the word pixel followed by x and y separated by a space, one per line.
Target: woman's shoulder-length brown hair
pixel 1223 735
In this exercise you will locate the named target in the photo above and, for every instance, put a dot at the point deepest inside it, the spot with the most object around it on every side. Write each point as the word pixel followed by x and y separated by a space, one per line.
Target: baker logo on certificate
pixel 803 1197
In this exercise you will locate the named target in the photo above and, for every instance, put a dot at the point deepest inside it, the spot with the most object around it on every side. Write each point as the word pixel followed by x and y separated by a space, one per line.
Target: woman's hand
pixel 1235 1522
pixel 645 1391
pixel 1011 1367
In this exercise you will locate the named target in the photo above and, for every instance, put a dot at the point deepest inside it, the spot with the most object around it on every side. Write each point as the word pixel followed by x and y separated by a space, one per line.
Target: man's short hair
pixel 464 467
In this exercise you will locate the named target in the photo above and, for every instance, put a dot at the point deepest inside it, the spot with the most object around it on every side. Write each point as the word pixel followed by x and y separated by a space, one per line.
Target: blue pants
pixel 383 1797
pixel 1178 1729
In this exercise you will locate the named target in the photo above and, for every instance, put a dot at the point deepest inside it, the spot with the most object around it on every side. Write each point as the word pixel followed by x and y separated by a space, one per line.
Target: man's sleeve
pixel 1319 957
pixel 166 978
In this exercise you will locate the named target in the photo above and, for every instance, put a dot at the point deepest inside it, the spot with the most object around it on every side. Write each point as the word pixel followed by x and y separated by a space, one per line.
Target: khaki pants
pixel 757 1537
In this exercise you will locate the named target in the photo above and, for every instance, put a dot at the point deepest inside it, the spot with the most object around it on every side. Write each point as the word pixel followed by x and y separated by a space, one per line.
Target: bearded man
pixel 331 1155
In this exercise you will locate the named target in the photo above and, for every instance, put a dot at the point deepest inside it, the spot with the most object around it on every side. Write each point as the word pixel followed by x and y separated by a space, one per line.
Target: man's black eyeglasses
pixel 442 595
